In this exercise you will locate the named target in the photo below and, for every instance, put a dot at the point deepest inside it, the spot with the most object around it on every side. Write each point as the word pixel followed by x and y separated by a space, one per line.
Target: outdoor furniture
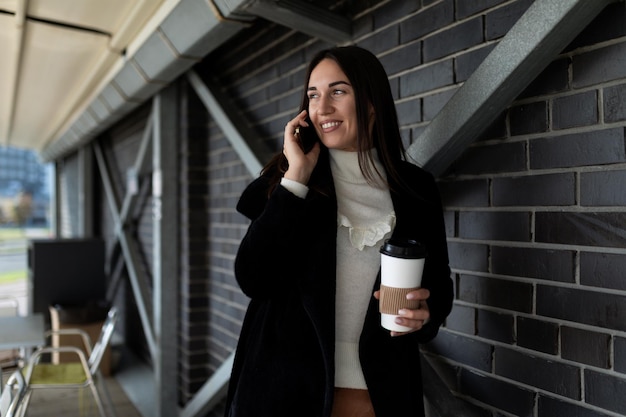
pixel 84 373
pixel 9 307
pixel 22 332
pixel 12 395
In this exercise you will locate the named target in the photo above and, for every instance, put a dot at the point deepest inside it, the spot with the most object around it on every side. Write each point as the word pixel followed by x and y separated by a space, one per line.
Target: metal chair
pixel 12 395
pixel 9 307
pixel 84 373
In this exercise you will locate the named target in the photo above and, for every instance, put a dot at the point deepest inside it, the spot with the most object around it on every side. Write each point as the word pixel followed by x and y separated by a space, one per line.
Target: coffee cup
pixel 401 264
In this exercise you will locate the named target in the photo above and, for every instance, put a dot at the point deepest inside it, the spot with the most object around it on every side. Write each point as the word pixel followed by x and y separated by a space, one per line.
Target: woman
pixel 311 342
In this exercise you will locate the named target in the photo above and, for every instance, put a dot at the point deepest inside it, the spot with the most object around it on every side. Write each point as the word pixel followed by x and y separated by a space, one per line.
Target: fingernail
pixel 410 296
pixel 402 312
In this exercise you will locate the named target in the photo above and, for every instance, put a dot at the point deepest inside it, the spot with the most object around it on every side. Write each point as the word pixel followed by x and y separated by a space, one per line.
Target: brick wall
pixel 535 213
pixel 534 209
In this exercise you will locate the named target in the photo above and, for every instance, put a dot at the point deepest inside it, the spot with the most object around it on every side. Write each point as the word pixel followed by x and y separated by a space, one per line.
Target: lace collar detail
pixel 367 235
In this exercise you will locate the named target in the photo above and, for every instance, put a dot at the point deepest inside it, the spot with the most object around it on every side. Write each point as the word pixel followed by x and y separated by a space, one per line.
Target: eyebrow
pixel 331 85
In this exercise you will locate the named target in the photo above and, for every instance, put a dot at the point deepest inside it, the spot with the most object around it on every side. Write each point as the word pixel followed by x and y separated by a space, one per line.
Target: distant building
pixel 21 172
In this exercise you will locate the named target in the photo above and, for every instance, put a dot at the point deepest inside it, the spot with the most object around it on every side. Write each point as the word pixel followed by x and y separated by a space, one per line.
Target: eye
pixel 339 92
pixel 313 96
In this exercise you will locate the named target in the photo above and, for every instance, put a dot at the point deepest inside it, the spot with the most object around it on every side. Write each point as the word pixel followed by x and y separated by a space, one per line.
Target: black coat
pixel 284 364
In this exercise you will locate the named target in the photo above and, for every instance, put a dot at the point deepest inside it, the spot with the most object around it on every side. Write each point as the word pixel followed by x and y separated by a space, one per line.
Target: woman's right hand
pixel 300 164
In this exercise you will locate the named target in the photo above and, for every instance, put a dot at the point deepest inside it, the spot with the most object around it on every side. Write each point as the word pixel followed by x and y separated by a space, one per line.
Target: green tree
pixel 22 208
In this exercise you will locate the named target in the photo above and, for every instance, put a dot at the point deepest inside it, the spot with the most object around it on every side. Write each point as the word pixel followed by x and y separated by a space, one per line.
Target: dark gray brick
pixel 469 193
pixel 501 20
pixel 453 40
pixel 510 226
pixel 426 21
pixel 485 159
pixel 497 129
pixel 619 354
pixel 468 256
pixel 449 218
pixel 428 78
pixel 409 112
pixel 615 103
pixel 409 56
pixel 586 307
pixel 553 265
pixel 435 102
pixel 603 188
pixel 362 25
pixel 575 110
pixel 579 149
pixel 495 326
pixel 605 391
pixel 535 190
pixel 551 407
pixel 599 66
pixel 462 349
pixel 465 8
pixel 497 393
pixel 609 24
pixel 529 118
pixel 584 346
pixel 393 11
pixel 394 85
pixel 538 335
pixel 592 229
pixel 465 64
pixel 552 376
pixel 381 41
pixel 510 295
pixel 553 79
pixel 462 319
pixel 603 270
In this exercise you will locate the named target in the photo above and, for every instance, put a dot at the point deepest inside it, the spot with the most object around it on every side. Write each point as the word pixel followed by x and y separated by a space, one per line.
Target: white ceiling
pixel 52 54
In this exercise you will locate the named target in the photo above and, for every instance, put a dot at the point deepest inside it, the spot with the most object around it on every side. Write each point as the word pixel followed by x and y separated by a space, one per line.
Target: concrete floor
pixel 78 402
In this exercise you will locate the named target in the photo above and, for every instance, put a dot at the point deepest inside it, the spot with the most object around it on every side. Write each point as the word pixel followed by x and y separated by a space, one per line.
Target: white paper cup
pixel 401 264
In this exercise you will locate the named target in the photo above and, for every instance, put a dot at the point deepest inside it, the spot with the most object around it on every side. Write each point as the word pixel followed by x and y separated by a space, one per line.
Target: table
pixel 22 332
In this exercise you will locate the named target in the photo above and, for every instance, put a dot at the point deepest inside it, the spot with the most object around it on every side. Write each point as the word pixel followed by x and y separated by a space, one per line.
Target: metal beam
pixel 85 192
pixel 304 17
pixel 129 248
pixel 212 392
pixel 532 43
pixel 165 224
pixel 252 152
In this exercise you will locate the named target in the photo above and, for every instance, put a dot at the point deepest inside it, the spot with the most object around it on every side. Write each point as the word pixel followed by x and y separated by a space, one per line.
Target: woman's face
pixel 332 106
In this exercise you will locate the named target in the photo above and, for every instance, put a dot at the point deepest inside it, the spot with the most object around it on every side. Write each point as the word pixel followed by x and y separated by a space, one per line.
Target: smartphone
pixel 308 136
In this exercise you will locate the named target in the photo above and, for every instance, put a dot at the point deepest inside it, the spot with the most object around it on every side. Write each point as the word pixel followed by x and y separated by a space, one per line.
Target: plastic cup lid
pixel 403 248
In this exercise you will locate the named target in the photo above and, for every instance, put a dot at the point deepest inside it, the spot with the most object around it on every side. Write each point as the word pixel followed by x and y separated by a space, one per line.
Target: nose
pixel 325 105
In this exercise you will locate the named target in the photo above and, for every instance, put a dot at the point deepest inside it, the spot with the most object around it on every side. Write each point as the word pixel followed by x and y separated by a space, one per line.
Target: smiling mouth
pixel 328 125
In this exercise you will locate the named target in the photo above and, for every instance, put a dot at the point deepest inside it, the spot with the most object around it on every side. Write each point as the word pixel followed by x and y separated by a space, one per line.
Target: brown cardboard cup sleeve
pixel 393 299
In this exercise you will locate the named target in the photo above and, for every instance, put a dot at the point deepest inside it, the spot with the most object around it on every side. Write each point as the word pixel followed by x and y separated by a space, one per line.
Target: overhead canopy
pixel 52 54
pixel 69 69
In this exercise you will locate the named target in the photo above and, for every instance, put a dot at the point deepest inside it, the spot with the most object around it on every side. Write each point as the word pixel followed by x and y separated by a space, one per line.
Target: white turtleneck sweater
pixel 365 217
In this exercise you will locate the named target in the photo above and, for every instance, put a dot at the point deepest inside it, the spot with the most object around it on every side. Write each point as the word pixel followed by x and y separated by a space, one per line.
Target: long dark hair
pixel 371 88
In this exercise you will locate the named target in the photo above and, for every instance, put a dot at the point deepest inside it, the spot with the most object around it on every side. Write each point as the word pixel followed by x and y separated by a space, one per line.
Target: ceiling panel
pixel 106 16
pixel 8 47
pixel 56 61
pixel 101 56
pixel 8 5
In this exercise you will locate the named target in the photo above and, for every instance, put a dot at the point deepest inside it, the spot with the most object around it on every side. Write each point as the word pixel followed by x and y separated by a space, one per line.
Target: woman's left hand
pixel 412 318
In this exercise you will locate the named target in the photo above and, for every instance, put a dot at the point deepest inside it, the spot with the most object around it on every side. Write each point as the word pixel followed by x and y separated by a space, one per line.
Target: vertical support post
pixel 165 248
pixel 85 192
